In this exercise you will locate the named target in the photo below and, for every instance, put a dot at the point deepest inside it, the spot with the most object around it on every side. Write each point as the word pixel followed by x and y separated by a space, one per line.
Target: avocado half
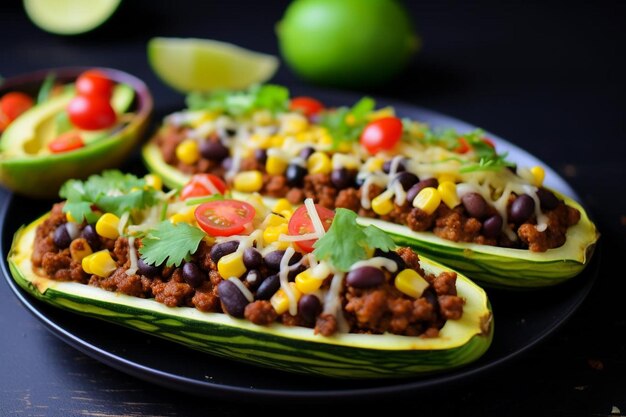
pixel 288 348
pixel 25 172
pixel 490 265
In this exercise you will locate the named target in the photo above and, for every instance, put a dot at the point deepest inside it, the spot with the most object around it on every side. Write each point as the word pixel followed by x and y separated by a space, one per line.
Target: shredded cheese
pixel 318 226
pixel 132 256
pixel 244 290
pixel 283 276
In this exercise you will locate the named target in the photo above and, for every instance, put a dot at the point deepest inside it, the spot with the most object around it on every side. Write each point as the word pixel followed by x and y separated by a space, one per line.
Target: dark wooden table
pixel 545 76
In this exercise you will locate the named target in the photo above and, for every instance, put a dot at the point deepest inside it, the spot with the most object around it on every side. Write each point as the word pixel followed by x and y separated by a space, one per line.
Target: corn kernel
pixel 539 175
pixel 107 226
pixel 306 137
pixel 154 181
pixel 262 117
pixel 427 200
pixel 280 301
pixel 79 248
pixel 187 216
pixel 447 190
pixel 325 139
pixel 281 205
pixel 382 204
pixel 319 163
pixel 374 164
pixel 275 220
pixel 188 152
pixel 260 141
pixel 204 118
pixel 276 141
pixel 411 283
pixel 294 124
pixel 231 265
pixel 70 218
pixel 348 161
pixel 350 120
pixel 447 177
pixel 248 181
pixel 272 233
pixel 99 263
pixel 380 113
pixel 306 283
pixel 275 165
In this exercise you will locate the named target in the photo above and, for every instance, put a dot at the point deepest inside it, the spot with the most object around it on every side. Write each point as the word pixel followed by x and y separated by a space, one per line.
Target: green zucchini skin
pixel 489 265
pixel 291 349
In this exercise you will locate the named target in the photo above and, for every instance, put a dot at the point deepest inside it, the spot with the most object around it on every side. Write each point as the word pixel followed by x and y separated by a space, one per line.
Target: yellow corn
pixel 539 175
pixel 154 181
pixel 280 301
pixel 275 220
pixel 294 124
pixel 282 205
pixel 107 226
pixel 277 141
pixel 427 200
pixel 307 283
pixel 275 165
pixel 447 177
pixel 324 139
pixel 319 163
pixel 231 265
pixel 261 141
pixel 187 216
pixel 374 164
pixel 346 161
pixel 248 181
pixel 350 120
pixel 79 248
pixel 256 201
pixel 411 283
pixel 70 218
pixel 447 191
pixel 99 263
pixel 262 117
pixel 382 204
pixel 306 136
pixel 205 117
pixel 380 113
pixel 272 233
pixel 188 152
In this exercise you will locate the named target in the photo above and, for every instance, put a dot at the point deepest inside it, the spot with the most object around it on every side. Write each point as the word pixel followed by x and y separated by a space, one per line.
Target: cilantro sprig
pixel 170 243
pixel 346 242
pixel 345 124
pixel 272 97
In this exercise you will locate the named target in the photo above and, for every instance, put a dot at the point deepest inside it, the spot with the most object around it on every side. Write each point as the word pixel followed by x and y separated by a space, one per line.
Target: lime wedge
pixel 191 64
pixel 69 17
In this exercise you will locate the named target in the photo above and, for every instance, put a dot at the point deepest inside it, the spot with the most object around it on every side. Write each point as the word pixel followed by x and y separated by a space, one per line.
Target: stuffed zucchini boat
pixel 307 290
pixel 449 194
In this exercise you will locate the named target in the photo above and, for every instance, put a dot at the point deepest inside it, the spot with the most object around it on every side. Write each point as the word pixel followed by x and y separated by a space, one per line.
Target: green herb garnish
pixel 346 242
pixel 170 243
pixel 345 124
pixel 236 103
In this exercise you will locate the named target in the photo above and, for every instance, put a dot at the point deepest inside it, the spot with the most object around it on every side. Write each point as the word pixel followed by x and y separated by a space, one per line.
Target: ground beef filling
pixel 375 310
pixel 451 224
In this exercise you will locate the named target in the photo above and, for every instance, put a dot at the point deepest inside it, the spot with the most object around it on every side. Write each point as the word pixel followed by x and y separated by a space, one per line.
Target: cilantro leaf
pixel 170 243
pixel 345 124
pixel 272 97
pixel 345 242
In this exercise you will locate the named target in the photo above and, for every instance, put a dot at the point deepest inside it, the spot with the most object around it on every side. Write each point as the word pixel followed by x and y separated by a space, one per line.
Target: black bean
pixel 492 226
pixel 62 238
pixel 547 199
pixel 365 277
pixel 193 275
pixel 272 259
pixel 260 155
pixel 415 189
pixel 232 299
pixel 407 179
pixel 268 287
pixel 387 166
pixel 253 278
pixel 309 307
pixel 306 152
pixel 214 150
pixel 223 249
pixel 91 236
pixel 475 205
pixel 393 255
pixel 230 131
pixel 294 273
pixel 343 178
pixel 295 175
pixel 252 258
pixel 521 209
pixel 147 269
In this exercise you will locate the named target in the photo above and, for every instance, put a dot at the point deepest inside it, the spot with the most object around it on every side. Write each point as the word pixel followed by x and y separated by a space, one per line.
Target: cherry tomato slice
pixel 13 104
pixel 307 105
pixel 203 185
pixel 224 217
pixel 94 82
pixel 489 142
pixel 66 142
pixel 381 134
pixel 300 223
pixel 91 112
pixel 463 147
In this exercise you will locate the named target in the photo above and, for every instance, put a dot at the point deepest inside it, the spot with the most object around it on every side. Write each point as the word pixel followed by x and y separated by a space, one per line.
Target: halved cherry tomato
pixel 66 142
pixel 13 104
pixel 203 185
pixel 463 147
pixel 300 223
pixel 91 112
pixel 94 82
pixel 224 217
pixel 307 105
pixel 381 134
pixel 489 142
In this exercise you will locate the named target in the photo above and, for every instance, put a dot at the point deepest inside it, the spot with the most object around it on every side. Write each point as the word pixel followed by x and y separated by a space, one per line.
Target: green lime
pixel 346 42
pixel 69 17
pixel 191 64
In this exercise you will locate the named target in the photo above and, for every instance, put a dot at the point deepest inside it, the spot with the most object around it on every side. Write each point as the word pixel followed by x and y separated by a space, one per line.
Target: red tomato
pixel 463 147
pixel 489 142
pixel 203 185
pixel 94 82
pixel 224 217
pixel 300 223
pixel 68 141
pixel 91 112
pixel 381 134
pixel 13 104
pixel 307 105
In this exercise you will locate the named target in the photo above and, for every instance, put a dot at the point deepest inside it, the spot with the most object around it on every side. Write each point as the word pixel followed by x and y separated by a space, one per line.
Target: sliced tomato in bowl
pixel 300 223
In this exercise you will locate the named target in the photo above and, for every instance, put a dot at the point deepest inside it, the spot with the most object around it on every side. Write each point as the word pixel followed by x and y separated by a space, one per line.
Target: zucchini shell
pixel 490 265
pixel 292 349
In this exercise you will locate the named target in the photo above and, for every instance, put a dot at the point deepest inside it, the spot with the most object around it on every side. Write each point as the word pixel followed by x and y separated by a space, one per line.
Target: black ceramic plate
pixel 523 318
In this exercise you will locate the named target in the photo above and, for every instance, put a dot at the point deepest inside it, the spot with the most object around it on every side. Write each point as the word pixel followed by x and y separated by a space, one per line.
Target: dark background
pixel 546 76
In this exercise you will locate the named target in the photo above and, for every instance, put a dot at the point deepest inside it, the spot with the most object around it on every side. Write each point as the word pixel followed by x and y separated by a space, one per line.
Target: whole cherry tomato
pixel 91 112
pixel 94 82
pixel 381 134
